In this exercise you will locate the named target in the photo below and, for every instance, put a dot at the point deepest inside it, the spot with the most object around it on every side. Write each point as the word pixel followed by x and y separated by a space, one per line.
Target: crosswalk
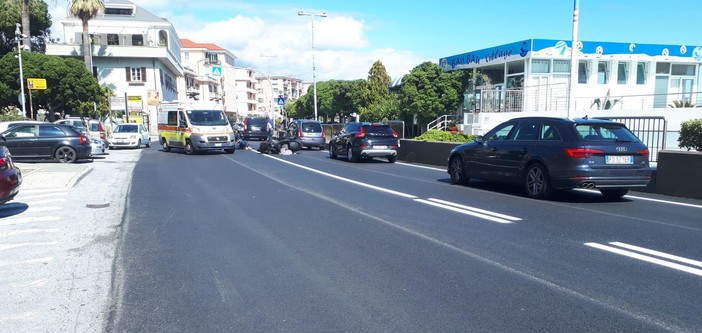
pixel 29 242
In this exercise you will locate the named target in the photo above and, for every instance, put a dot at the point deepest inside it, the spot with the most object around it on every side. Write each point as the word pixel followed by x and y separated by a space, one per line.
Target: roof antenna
pixel 585 117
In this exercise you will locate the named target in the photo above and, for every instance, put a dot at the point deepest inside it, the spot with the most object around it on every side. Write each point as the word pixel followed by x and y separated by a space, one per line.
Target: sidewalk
pixel 52 174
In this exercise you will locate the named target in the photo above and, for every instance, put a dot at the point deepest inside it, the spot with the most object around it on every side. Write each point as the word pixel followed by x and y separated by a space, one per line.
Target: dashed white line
pixel 463 211
pixel 27 231
pixel 23 220
pixel 17 245
pixel 646 258
pixel 483 211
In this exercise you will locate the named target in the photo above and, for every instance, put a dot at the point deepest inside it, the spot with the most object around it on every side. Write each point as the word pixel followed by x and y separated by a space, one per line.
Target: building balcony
pixel 161 53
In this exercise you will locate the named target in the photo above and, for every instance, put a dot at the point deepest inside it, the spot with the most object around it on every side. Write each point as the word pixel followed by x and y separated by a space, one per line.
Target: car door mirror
pixel 478 139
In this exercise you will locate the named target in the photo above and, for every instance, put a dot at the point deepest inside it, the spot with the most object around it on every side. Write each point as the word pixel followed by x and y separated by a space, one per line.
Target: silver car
pixel 308 132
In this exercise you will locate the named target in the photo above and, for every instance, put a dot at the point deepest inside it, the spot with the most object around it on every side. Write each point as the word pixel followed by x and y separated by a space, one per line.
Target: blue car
pixel 549 154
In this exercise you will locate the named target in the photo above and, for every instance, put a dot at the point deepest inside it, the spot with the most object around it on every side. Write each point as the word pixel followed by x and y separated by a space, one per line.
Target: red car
pixel 10 176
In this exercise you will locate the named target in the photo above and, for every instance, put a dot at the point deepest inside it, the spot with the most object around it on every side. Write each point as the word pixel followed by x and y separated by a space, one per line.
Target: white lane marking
pixel 27 231
pixel 14 221
pixel 17 316
pixel 404 195
pixel 483 211
pixel 35 283
pixel 44 260
pixel 16 245
pixel 664 201
pixel 492 216
pixel 463 211
pixel 642 257
pixel 658 253
pixel 42 209
pixel 41 196
pixel 44 202
pixel 420 166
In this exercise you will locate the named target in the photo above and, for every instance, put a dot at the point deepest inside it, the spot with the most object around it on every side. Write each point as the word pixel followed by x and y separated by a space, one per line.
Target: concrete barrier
pixel 425 152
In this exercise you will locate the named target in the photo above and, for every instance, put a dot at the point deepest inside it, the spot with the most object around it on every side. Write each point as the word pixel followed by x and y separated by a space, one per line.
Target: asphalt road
pixel 304 243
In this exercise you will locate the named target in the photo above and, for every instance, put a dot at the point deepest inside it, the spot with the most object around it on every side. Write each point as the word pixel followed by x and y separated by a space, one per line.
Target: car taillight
pixel 643 152
pixel 361 133
pixel 394 134
pixel 299 132
pixel 323 136
pixel 83 140
pixel 582 152
pixel 4 164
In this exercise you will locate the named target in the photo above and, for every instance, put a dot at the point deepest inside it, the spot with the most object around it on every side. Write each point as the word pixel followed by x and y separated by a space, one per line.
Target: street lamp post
pixel 18 37
pixel 314 79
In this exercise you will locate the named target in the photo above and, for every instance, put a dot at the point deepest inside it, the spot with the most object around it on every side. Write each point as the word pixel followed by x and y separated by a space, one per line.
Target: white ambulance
pixel 194 128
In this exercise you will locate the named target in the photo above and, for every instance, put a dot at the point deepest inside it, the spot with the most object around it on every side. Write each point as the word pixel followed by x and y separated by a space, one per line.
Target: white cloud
pixel 342 50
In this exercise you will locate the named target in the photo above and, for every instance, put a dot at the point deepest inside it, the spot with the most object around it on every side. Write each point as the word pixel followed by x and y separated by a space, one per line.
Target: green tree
pixel 386 109
pixel 68 83
pixel 38 18
pixel 376 90
pixel 429 92
pixel 85 10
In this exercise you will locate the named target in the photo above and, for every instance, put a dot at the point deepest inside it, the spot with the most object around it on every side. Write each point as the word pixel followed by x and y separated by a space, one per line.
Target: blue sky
pixel 403 34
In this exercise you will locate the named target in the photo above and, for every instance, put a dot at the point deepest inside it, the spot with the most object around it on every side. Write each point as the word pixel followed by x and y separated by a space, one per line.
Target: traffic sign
pixel 216 70
pixel 281 101
pixel 36 84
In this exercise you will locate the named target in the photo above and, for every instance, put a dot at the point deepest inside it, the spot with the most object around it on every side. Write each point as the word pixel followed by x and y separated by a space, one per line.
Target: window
pixel 119 11
pixel 500 133
pixel 527 131
pixel 50 131
pixel 622 72
pixel 603 72
pixel 21 132
pixel 549 132
pixel 186 56
pixel 641 72
pixel 136 74
pixel 112 39
pixel 583 71
pixel 662 68
pixel 162 38
pixel 686 70
pixel 540 66
pixel 561 66
pixel 172 118
pixel 137 40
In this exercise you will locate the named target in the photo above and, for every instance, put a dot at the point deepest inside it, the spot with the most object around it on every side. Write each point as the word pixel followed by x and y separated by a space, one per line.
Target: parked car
pixel 80 123
pixel 365 140
pixel 60 142
pixel 10 176
pixel 7 124
pixel 548 154
pixel 255 128
pixel 97 146
pixel 307 132
pixel 129 136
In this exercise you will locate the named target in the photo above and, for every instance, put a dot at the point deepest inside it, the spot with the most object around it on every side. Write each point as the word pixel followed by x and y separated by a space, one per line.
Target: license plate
pixel 120 141
pixel 218 145
pixel 380 147
pixel 619 159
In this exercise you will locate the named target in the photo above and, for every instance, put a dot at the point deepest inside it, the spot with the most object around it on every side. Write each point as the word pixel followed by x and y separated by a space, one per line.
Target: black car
pixel 63 143
pixel 365 140
pixel 255 128
pixel 548 154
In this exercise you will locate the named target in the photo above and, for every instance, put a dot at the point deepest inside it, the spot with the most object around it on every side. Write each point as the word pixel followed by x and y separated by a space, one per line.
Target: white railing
pixel 442 123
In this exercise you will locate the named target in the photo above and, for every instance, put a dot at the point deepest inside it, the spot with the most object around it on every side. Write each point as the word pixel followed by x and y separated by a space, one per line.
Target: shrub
pixel 691 134
pixel 444 136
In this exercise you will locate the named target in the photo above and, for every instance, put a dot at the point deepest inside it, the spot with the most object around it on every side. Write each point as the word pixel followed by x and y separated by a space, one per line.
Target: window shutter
pixel 143 74
pixel 129 74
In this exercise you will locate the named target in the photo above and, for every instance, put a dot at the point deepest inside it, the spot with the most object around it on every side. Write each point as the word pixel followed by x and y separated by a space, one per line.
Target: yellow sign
pixel 134 99
pixel 36 84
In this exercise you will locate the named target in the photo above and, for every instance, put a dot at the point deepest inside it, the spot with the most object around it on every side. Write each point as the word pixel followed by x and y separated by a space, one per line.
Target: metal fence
pixel 651 130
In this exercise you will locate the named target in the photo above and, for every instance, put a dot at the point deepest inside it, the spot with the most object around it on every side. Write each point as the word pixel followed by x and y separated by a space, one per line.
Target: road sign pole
pixel 31 108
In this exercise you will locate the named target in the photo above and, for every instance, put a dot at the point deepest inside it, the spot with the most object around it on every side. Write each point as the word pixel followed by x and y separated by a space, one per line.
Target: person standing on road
pixel 269 128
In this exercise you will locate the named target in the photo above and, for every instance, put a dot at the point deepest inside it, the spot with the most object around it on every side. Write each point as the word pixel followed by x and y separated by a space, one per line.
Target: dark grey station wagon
pixel 549 154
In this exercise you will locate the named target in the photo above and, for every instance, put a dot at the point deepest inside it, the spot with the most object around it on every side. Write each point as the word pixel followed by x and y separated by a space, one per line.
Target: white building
pixel 207 67
pixel 134 52
pixel 532 77
pixel 272 89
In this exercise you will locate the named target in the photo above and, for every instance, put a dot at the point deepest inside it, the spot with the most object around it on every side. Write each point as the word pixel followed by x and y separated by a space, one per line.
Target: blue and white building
pixel 533 76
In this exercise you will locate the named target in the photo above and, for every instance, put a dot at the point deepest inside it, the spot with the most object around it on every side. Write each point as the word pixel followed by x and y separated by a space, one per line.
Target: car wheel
pixel 294 146
pixel 138 145
pixel 332 153
pixel 165 146
pixel 457 171
pixel 392 158
pixel 321 148
pixel 148 143
pixel 189 150
pixel 537 183
pixel 66 154
pixel 614 194
pixel 350 155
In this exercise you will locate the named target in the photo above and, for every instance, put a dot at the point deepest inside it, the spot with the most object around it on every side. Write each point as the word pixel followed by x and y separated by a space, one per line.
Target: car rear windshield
pixel 312 127
pixel 94 127
pixel 378 130
pixel 604 132
pixel 260 122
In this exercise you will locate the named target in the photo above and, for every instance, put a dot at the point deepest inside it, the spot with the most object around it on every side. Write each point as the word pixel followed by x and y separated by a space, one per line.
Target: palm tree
pixel 25 23
pixel 86 10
